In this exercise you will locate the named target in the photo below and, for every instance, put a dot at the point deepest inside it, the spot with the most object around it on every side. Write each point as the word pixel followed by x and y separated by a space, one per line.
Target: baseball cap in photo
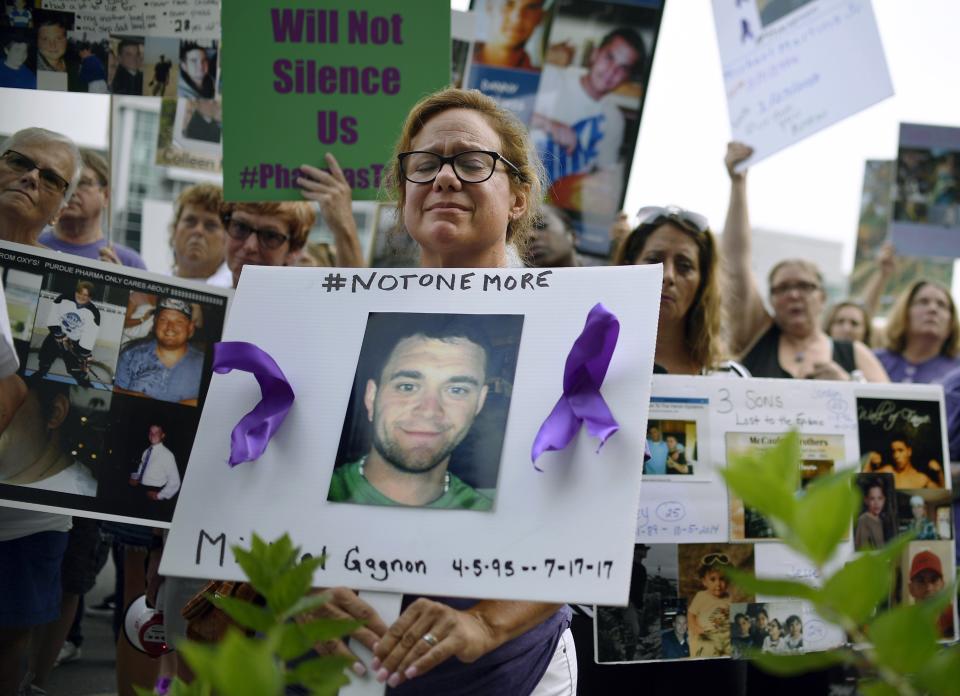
pixel 174 303
pixel 925 560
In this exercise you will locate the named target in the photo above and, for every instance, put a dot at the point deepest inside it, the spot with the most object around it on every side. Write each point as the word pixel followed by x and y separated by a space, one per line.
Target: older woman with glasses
pixel 688 337
pixel 468 186
pixel 789 343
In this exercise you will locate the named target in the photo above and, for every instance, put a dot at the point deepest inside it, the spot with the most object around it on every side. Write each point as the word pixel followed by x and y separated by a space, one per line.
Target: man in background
pixel 79 229
pixel 128 78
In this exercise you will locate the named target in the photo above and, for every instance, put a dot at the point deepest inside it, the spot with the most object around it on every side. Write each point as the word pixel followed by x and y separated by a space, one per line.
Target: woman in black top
pixel 789 343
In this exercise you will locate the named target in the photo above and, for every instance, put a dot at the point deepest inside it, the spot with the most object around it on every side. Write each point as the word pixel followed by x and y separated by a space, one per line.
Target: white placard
pixel 194 19
pixel 791 69
pixel 564 534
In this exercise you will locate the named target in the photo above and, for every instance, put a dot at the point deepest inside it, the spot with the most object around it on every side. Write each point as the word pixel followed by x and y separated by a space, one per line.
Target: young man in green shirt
pixel 421 406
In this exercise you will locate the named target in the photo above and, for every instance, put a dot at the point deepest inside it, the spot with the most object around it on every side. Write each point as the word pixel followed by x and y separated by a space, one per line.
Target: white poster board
pixel 686 517
pixel 793 67
pixel 563 534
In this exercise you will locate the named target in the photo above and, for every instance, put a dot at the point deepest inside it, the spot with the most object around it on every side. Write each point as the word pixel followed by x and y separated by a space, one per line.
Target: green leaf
pixel 750 584
pixel 322 675
pixel 200 659
pixel 255 568
pixel 245 613
pixel 855 590
pixel 941 675
pixel 876 688
pixel 792 665
pixel 767 481
pixel 294 639
pixel 905 638
pixel 290 586
pixel 305 605
pixel 246 666
pixel 823 515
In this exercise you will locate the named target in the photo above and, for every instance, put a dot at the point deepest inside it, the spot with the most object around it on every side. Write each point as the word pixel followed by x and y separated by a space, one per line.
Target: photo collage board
pixel 575 72
pixel 117 363
pixel 690 528
pixel 156 48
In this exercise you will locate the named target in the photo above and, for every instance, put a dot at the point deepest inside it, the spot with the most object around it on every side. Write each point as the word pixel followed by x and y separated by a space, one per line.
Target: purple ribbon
pixel 581 402
pixel 251 435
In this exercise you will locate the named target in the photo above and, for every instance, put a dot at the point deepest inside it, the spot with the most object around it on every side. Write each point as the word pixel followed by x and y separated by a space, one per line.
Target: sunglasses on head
pixel 689 220
pixel 715 559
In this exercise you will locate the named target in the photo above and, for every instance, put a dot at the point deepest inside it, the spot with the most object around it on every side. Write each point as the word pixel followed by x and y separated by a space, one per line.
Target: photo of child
pixel 874 527
pixel 704 582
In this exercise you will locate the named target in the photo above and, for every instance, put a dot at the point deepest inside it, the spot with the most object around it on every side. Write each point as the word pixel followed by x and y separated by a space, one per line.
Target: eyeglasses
pixel 471 167
pixel 267 238
pixel 715 559
pixel 803 287
pixel 689 220
pixel 50 181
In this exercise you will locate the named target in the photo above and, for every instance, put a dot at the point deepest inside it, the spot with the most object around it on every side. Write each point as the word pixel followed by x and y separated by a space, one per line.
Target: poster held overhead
pixel 338 79
pixel 926 206
pixel 793 68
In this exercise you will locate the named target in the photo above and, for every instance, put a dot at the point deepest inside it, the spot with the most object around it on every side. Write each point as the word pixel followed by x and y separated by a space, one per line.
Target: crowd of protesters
pixel 713 321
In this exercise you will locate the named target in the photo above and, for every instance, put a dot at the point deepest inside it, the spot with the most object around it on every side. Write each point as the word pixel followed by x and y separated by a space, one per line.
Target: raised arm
pixel 746 315
pixel 332 193
pixel 886 265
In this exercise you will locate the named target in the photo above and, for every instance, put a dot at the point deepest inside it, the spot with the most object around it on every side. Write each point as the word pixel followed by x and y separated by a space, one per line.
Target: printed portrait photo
pixel 928 185
pixel 706 586
pixel 161 69
pixel 877 522
pixel 175 149
pixel 587 110
pixel 18 13
pixel 925 512
pixel 55 441
pixel 18 58
pixel 510 33
pixel 95 54
pixel 126 71
pixel 634 633
pixel 198 69
pixel 902 437
pixel 428 411
pixel 926 569
pixel 149 456
pixel 770 627
pixel 22 290
pixel 673 448
pixel 76 333
pixel 58 68
pixel 165 348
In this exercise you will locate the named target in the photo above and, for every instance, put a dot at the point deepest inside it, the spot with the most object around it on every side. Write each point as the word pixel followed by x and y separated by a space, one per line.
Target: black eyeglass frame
pixel 451 160
pixel 228 219
pixel 45 173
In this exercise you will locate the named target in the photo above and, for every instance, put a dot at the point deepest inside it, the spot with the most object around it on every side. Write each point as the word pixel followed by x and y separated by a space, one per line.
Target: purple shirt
pixel 951 394
pixel 128 257
pixel 515 668
pixel 902 370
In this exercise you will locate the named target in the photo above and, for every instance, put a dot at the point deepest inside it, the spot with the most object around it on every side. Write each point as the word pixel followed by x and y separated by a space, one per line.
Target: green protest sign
pixel 305 78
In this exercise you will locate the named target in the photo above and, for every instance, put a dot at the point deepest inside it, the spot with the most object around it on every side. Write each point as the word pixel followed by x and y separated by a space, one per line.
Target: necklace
pixel 446 476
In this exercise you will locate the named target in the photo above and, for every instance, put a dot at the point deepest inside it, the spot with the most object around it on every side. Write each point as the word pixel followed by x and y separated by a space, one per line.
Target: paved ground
pixel 93 674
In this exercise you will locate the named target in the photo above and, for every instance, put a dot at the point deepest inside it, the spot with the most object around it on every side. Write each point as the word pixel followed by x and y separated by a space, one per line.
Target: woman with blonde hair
pixel 922 335
pixel 468 185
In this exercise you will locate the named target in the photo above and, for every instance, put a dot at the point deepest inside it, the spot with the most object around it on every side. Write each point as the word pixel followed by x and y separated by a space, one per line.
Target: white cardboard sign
pixel 791 69
pixel 564 534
